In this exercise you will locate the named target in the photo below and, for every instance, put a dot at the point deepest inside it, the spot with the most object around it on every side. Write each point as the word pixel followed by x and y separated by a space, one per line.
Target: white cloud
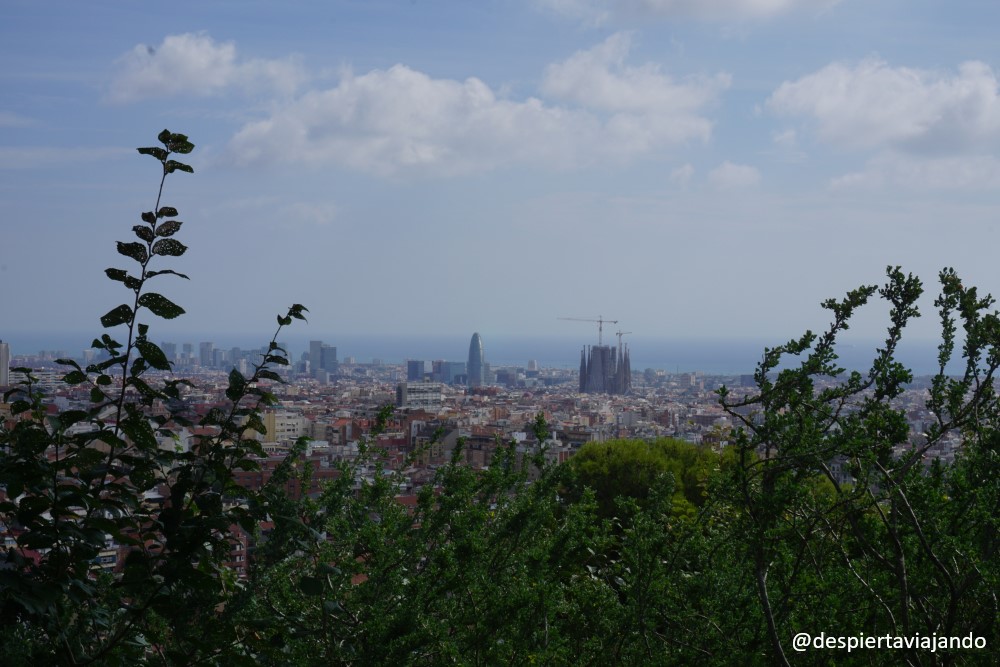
pixel 387 121
pixel 729 176
pixel 599 78
pixel 873 105
pixel 598 11
pixel 956 173
pixel 194 64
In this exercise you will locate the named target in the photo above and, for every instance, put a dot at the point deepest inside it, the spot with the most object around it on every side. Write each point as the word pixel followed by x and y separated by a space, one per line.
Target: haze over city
pixel 694 170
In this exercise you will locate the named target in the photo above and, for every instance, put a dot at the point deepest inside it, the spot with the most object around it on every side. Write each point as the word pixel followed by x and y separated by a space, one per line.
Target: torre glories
pixel 476 365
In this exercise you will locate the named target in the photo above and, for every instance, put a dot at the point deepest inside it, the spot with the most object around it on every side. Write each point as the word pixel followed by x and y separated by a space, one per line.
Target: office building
pixel 475 367
pixel 4 364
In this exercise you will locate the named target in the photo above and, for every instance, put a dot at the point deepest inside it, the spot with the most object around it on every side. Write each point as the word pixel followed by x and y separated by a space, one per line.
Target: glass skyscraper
pixel 475 367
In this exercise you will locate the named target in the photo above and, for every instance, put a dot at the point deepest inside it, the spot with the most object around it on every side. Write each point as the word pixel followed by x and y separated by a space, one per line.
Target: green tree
pixel 75 479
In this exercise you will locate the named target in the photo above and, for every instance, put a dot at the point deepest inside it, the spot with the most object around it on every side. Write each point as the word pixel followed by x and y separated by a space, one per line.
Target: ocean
pixel 732 356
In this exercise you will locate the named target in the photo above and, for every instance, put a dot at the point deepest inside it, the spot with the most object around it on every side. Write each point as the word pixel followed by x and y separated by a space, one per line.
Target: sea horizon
pixel 719 356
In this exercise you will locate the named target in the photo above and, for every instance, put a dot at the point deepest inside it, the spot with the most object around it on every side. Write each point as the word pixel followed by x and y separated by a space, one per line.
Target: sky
pixel 706 169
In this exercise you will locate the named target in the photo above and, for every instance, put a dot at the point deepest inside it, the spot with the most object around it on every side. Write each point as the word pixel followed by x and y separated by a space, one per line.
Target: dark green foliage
pixel 76 478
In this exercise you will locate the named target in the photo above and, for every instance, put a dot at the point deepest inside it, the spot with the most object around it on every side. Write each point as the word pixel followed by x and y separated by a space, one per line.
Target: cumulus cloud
pixel 730 176
pixel 873 105
pixel 195 64
pixel 387 121
pixel 954 173
pixel 597 11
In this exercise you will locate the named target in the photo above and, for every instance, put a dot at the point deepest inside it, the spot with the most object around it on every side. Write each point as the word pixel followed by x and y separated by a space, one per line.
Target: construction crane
pixel 621 333
pixel 600 325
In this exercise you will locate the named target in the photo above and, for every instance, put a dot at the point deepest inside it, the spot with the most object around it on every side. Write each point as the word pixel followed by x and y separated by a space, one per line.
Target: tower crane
pixel 621 333
pixel 600 325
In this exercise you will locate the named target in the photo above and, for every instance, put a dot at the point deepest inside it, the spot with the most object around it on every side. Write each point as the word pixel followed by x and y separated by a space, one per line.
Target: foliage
pixel 620 469
pixel 822 515
pixel 76 480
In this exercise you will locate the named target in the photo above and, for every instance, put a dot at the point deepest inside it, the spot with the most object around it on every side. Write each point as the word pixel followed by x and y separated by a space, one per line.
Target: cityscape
pixel 504 332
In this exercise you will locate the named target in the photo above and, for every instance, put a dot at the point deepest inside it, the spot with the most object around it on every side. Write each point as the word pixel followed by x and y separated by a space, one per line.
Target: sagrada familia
pixel 605 370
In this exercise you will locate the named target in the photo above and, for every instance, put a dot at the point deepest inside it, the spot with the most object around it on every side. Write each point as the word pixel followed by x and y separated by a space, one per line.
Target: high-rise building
pixel 169 351
pixel 205 351
pixel 322 357
pixel 4 364
pixel 414 370
pixel 474 368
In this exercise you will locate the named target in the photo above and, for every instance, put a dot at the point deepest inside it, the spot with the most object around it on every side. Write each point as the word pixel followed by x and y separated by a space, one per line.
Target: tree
pixel 75 479
pixel 897 548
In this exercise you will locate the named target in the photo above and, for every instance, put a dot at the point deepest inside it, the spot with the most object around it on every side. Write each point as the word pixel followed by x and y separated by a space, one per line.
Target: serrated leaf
pixel 168 228
pixel 136 251
pixel 169 247
pixel 116 316
pixel 143 232
pixel 160 305
pixel 153 355
pixel 155 151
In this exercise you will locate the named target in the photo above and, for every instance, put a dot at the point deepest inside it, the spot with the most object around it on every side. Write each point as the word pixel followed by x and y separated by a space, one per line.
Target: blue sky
pixel 710 168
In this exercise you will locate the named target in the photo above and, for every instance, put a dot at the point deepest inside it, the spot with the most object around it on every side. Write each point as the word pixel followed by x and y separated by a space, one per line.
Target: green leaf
pixel 160 305
pixel 134 250
pixel 155 151
pixel 68 362
pixel 265 374
pixel 168 228
pixel 166 212
pixel 116 274
pixel 170 247
pixel 119 315
pixel 74 377
pixel 148 216
pixel 237 383
pixel 153 355
pixel 150 274
pixel 143 232
pixel 173 165
pixel 312 586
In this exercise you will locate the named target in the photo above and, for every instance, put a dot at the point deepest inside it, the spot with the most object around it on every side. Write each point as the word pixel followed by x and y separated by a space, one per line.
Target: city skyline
pixel 707 168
